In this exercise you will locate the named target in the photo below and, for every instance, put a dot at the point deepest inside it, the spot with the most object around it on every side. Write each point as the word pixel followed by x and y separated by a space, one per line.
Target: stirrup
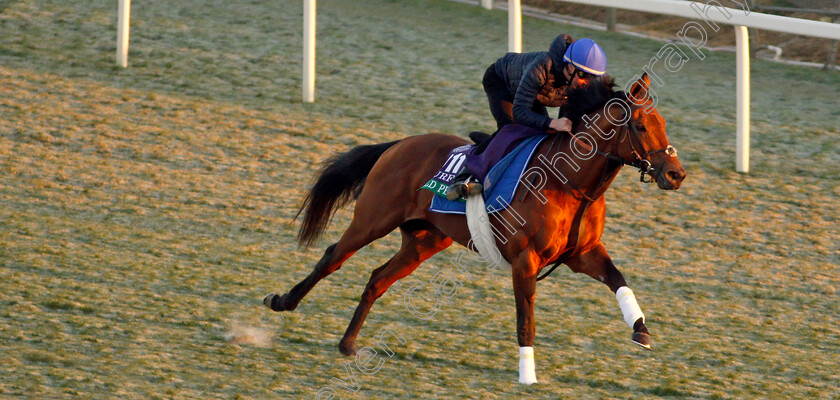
pixel 464 189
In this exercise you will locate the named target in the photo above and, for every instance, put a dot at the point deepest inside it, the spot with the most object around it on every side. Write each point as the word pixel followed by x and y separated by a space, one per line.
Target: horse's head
pixel 647 143
pixel 628 127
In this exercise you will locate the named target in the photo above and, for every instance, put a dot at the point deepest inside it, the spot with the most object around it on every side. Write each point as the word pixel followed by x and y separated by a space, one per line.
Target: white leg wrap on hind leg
pixel 629 306
pixel 527 368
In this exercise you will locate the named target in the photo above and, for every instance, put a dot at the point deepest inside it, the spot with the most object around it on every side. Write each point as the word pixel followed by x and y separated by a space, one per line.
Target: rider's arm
pixel 533 79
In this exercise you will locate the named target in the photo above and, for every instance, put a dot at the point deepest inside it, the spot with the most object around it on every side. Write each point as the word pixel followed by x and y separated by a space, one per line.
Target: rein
pixel 641 163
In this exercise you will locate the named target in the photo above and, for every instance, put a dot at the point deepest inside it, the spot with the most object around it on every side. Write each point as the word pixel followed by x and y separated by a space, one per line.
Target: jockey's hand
pixel 561 125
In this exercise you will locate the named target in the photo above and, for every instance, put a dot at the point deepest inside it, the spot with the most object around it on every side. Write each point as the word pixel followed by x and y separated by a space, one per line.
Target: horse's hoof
pixel 642 339
pixel 276 302
pixel 347 348
pixel 267 300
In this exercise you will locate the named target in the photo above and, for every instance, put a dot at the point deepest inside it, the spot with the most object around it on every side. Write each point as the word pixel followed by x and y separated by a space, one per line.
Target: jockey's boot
pixel 463 186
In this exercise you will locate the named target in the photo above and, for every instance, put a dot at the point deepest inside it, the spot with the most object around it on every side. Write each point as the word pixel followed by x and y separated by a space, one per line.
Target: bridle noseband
pixel 643 162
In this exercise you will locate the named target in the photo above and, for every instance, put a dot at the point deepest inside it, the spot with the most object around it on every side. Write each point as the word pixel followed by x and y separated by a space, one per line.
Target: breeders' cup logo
pixel 451 167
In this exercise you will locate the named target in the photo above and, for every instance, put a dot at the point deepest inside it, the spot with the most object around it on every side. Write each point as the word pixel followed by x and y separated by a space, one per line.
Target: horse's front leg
pixel 524 287
pixel 597 264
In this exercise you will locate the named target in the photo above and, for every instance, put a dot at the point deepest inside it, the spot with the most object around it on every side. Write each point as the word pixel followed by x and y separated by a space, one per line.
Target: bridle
pixel 640 161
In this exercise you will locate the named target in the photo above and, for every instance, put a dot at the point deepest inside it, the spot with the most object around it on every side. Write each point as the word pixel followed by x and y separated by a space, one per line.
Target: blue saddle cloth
pixel 500 183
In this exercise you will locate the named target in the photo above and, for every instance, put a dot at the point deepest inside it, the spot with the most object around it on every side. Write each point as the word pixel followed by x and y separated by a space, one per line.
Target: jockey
pixel 519 87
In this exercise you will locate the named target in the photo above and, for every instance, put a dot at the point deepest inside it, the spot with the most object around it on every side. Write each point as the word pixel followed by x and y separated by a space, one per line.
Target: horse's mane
pixel 585 99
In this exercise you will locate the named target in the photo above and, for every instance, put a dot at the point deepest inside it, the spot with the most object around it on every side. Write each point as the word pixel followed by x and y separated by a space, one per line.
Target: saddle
pixel 478 137
pixel 506 141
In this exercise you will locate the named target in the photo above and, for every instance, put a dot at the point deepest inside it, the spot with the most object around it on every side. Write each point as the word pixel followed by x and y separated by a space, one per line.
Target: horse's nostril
pixel 675 176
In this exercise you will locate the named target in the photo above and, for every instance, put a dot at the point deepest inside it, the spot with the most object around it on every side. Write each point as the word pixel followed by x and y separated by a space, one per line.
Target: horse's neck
pixel 574 170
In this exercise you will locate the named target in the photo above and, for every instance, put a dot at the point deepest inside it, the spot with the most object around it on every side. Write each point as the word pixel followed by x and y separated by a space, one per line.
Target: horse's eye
pixel 641 129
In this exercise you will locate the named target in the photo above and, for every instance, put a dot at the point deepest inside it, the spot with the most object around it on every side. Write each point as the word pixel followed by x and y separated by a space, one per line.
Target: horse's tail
pixel 341 176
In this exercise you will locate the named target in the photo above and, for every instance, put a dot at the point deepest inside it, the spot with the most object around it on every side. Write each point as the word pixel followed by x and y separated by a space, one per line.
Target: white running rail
pixel 711 13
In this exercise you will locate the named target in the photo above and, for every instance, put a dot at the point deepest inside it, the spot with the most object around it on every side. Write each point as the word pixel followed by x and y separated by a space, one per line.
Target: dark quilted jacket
pixel 535 77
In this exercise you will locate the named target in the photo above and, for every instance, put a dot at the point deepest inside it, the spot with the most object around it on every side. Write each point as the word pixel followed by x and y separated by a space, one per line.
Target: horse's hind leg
pixel 597 264
pixel 357 235
pixel 420 240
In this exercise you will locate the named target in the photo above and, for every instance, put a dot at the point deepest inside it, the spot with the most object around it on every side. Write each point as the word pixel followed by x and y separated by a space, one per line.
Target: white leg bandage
pixel 629 306
pixel 527 368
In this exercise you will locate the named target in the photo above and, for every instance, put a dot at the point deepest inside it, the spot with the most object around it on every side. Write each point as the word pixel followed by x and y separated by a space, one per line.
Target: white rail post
pixel 123 14
pixel 742 64
pixel 487 4
pixel 308 51
pixel 514 26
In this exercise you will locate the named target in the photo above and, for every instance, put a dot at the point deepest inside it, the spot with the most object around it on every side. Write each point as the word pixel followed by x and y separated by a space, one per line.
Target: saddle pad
pixel 443 178
pixel 499 186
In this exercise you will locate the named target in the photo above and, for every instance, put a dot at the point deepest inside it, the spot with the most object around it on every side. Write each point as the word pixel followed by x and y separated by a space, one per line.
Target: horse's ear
pixel 639 88
pixel 645 79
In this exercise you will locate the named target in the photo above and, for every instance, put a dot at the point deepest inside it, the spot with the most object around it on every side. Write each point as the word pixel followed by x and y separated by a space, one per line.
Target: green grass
pixel 146 212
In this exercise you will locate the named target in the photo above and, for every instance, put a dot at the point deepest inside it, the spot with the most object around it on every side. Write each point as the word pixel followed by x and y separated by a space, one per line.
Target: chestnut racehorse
pixel 562 204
